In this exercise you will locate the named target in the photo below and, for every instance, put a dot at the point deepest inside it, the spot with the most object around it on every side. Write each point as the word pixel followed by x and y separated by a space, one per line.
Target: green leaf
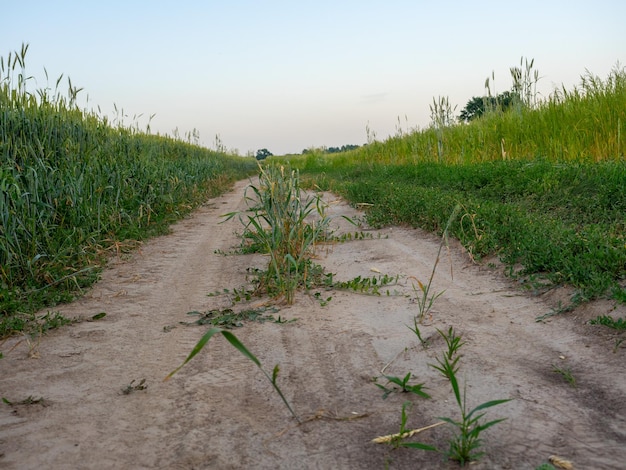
pixel 419 445
pixel 197 348
pixel 417 389
pixel 455 385
pixel 451 421
pixel 232 339
pixel 482 427
pixel 488 404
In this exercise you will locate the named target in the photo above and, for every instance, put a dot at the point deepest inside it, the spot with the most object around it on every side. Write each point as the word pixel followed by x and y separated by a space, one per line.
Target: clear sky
pixel 288 75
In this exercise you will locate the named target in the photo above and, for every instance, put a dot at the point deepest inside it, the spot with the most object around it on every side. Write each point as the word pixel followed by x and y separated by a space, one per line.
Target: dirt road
pixel 220 411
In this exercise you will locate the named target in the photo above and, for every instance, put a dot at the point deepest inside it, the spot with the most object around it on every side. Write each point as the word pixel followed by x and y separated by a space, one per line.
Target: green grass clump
pixel 285 223
pixel 609 321
pixel 74 188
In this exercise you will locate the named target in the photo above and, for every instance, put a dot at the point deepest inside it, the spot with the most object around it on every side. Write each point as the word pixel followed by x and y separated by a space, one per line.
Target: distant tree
pixel 507 100
pixel 343 148
pixel 262 154
pixel 478 106
pixel 475 107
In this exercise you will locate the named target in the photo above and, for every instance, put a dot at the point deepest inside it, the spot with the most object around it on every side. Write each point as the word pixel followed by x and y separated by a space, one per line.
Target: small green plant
pixel 466 443
pixel 132 387
pixel 448 364
pixel 30 400
pixel 323 301
pixel 464 447
pixel 233 340
pixel 608 320
pixel 349 236
pixel 402 386
pixel 424 298
pixel 366 285
pixel 236 295
pixel 51 321
pixel 397 440
pixel 566 373
pixel 545 466
pixel 418 333
pixel 229 319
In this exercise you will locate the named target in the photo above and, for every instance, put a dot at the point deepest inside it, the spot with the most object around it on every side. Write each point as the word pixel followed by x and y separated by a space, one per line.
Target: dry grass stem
pixel 404 435
pixel 558 462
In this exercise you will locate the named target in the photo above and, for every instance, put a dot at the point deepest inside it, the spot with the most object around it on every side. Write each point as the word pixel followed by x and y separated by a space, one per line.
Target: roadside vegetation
pixel 541 183
pixel 75 188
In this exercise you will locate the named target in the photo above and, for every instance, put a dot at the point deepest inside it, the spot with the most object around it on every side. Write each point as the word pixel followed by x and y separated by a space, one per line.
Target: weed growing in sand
pixel 566 373
pixel 236 295
pixel 227 318
pixel 232 339
pixel 559 309
pixel 284 223
pixel 402 386
pixel 347 237
pixel 448 364
pixel 608 320
pixel 424 298
pixel 30 400
pixel 396 440
pixel 323 301
pixel 465 445
pixel 545 466
pixel 365 285
pixel 132 387
pixel 418 333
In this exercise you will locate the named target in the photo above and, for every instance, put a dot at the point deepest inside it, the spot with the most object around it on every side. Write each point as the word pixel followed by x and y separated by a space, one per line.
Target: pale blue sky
pixel 288 75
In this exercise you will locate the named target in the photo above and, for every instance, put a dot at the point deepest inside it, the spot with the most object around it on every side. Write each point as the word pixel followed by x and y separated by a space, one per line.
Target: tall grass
pixel 543 188
pixel 72 186
pixel 587 123
pixel 285 223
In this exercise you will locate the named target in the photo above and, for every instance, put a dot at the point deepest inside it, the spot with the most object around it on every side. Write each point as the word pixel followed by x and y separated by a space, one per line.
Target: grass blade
pixel 232 339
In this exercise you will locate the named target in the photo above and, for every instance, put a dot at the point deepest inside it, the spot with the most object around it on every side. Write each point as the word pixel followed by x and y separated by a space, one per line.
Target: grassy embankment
pixel 543 187
pixel 74 188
